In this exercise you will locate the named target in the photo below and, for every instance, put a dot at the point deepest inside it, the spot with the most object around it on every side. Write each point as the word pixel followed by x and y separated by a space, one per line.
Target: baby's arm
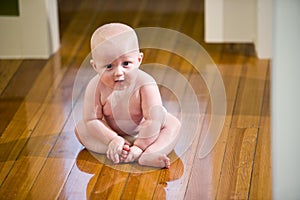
pixel 92 117
pixel 154 115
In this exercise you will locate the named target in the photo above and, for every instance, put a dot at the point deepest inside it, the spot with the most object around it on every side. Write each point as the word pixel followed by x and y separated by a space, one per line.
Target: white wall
pixel 242 21
pixel 263 38
pixel 33 34
pixel 286 100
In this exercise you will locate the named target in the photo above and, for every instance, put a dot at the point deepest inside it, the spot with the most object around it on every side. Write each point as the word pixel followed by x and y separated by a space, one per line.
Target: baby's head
pixel 115 54
pixel 111 41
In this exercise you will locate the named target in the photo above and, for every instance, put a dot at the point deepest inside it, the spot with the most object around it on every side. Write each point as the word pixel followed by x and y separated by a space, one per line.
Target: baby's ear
pixel 92 62
pixel 141 55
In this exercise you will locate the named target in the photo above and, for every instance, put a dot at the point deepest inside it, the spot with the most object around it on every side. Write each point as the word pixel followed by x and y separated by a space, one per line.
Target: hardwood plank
pixel 58 163
pixel 40 92
pixel 83 177
pixel 67 11
pixel 203 181
pixel 19 85
pixel 111 189
pixel 59 168
pixel 141 185
pixel 78 29
pixel 238 161
pixel 20 127
pixel 24 171
pixel 119 11
pixel 23 79
pixel 206 172
pixel 62 156
pixel 195 14
pixel 40 135
pixel 16 135
pixel 170 181
pixel 176 189
pixel 8 108
pixel 261 183
pixel 7 71
pixel 250 96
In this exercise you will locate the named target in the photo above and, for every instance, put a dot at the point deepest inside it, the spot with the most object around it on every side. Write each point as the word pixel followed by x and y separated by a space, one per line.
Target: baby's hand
pixel 134 153
pixel 115 148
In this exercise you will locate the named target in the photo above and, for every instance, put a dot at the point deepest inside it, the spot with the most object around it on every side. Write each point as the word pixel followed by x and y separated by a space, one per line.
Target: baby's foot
pixel 155 160
pixel 125 152
pixel 134 153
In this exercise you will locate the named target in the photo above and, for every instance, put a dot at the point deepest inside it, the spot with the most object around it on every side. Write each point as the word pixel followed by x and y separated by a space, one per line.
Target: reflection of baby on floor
pixel 110 179
pixel 123 115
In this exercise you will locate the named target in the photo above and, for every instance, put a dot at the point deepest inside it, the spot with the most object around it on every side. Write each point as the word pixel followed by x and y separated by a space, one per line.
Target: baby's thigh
pixel 172 124
pixel 88 140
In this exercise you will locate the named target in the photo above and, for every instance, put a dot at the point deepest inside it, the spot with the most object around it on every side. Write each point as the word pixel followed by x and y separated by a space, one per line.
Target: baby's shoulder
pixel 144 78
pixel 95 86
pixel 93 83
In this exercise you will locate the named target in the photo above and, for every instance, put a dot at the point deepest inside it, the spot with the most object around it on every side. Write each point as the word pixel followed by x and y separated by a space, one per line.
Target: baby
pixel 123 114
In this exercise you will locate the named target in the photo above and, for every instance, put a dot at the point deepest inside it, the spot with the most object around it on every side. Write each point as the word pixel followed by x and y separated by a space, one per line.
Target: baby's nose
pixel 119 71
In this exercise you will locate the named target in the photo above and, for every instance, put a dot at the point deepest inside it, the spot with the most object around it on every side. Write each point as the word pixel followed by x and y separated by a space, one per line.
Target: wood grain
pixel 236 171
pixel 7 71
pixel 40 157
pixel 261 186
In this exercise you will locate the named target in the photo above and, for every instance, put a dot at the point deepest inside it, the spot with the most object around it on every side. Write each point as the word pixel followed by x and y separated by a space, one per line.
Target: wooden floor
pixel 41 159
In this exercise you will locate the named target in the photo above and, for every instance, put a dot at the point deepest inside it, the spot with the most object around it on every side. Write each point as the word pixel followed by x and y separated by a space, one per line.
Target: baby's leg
pixel 89 141
pixel 155 154
pixel 94 144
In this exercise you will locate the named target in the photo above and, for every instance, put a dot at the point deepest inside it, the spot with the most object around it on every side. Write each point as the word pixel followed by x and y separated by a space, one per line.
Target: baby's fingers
pixel 116 158
pixel 119 149
pixel 113 155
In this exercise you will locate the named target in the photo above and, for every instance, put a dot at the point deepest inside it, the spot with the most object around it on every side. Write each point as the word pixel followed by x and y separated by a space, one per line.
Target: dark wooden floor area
pixel 40 157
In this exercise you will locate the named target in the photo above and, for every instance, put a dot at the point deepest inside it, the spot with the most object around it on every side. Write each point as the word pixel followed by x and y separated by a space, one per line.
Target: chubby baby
pixel 123 115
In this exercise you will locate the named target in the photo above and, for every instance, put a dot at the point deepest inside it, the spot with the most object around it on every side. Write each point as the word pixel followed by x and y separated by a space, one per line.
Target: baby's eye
pixel 109 66
pixel 126 63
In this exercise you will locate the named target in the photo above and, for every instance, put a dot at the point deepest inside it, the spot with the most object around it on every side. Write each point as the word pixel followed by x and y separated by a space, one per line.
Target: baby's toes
pixel 130 158
pixel 126 147
pixel 163 161
pixel 124 155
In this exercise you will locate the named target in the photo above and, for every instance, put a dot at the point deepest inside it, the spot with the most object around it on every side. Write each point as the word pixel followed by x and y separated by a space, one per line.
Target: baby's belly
pixel 124 119
pixel 124 126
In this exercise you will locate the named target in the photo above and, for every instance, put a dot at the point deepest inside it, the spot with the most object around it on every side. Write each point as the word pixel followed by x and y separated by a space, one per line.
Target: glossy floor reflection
pixel 40 157
pixel 148 181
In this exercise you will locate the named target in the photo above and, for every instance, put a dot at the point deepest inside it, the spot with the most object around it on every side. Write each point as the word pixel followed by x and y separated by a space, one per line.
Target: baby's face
pixel 122 72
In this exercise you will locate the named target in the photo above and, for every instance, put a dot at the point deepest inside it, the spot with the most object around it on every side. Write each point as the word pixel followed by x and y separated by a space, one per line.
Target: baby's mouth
pixel 120 84
pixel 119 80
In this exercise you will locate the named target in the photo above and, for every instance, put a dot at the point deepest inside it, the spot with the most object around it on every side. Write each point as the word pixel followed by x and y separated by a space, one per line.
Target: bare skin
pixel 123 115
